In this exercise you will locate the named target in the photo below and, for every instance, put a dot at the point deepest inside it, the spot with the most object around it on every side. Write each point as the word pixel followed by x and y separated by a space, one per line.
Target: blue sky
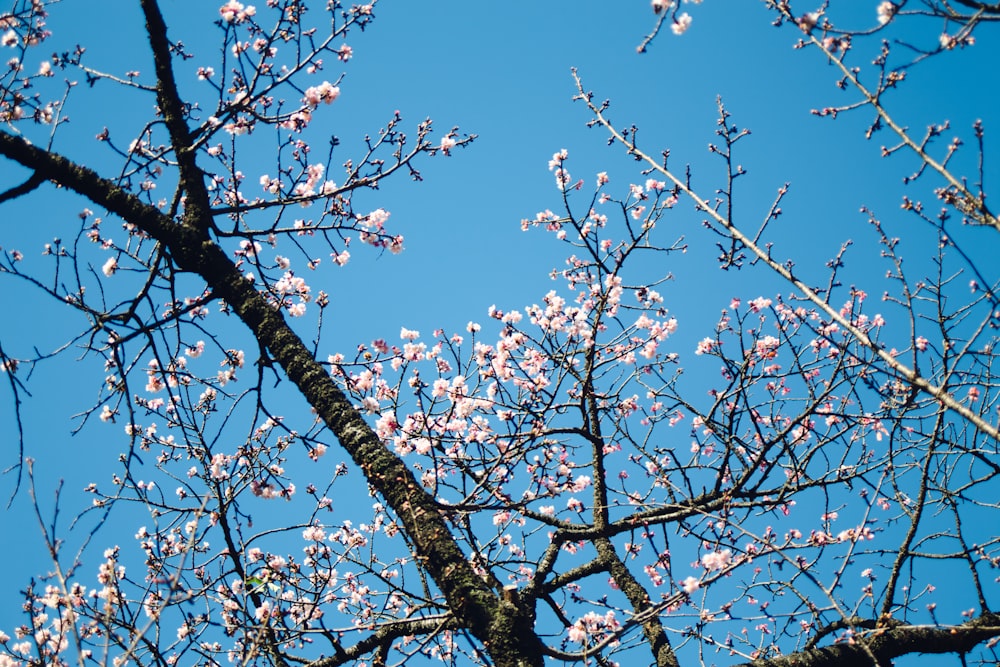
pixel 502 71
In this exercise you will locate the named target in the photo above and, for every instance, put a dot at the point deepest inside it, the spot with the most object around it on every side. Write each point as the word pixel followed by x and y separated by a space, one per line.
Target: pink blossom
pixel 681 24
pixel 557 159
pixel 376 219
pixel 690 585
pixel 766 348
pixel 705 346
pixel 235 12
pixel 808 21
pixel 562 178
pixel 885 12
pixel 440 388
pixel 717 560
pixel 324 92
pixel 314 534
pixel 110 267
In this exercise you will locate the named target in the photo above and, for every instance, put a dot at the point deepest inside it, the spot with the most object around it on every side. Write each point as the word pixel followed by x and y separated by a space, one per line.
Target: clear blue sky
pixel 502 71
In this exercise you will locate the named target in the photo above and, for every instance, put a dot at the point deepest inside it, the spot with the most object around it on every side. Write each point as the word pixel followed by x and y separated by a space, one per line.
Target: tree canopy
pixel 807 478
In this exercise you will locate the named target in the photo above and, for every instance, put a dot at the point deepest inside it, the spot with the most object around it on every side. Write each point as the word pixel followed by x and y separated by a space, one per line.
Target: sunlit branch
pixel 939 393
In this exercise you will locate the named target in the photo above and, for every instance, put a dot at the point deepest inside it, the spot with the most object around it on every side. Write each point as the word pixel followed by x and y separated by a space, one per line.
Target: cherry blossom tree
pixel 556 482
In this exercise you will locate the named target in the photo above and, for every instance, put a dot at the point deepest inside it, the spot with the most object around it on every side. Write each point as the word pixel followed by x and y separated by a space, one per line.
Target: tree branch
pixel 892 642
pixel 505 629
pixel 914 378
pixel 24 188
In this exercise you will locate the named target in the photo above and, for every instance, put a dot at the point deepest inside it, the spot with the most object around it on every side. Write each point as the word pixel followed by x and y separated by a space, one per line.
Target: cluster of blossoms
pixel 885 11
pixel 19 30
pixel 681 22
pixel 373 232
pixel 593 627
pixel 313 184
pixel 717 560
pixel 324 93
pixel 236 12
pixel 289 286
pixel 556 164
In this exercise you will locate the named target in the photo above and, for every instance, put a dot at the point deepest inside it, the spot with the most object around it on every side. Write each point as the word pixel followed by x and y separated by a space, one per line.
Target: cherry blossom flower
pixel 314 534
pixel 660 5
pixel 324 92
pixel 808 21
pixel 886 10
pixel 690 585
pixel 681 24
pixel 766 347
pixel 558 159
pixel 717 560
pixel 705 346
pixel 235 12
pixel 592 623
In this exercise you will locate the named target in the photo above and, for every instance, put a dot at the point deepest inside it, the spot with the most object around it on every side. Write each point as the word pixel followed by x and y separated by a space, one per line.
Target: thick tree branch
pixel 385 634
pixel 506 630
pixel 192 182
pixel 892 642
pixel 638 596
